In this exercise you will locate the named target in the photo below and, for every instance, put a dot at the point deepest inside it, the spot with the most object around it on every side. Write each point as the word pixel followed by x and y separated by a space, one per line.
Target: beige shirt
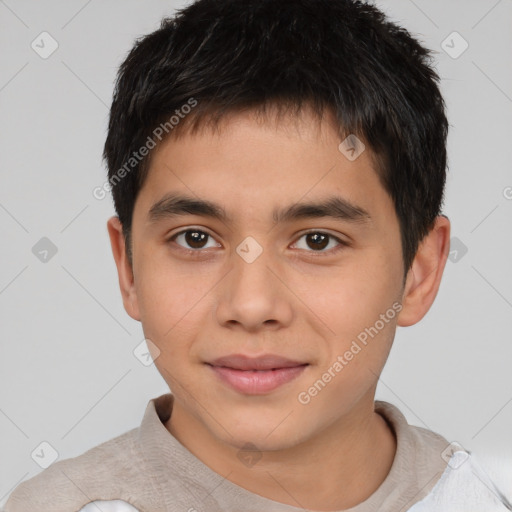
pixel 150 469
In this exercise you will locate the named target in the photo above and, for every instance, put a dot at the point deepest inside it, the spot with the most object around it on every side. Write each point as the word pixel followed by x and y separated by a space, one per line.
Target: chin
pixel 266 434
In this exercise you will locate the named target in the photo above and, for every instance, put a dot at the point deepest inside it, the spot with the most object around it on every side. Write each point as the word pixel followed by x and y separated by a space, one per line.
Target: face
pixel 298 258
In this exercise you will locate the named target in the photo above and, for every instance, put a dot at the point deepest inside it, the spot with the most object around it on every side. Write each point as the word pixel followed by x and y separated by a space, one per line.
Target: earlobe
pixel 424 276
pixel 124 268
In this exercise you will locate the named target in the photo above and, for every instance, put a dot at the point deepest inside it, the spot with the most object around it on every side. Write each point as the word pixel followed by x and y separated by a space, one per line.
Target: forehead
pixel 307 122
pixel 249 160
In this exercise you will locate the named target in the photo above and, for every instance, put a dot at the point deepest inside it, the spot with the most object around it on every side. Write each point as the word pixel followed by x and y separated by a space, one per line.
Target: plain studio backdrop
pixel 70 377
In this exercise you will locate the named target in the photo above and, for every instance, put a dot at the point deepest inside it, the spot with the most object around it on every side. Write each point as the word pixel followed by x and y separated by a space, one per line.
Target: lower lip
pixel 252 382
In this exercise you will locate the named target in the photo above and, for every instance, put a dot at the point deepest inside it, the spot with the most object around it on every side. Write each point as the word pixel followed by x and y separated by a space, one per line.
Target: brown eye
pixel 192 239
pixel 317 241
pixel 196 239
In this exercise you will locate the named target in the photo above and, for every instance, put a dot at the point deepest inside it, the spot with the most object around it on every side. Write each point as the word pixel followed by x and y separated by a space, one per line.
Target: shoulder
pixel 450 478
pixel 464 486
pixel 103 472
pixel 109 506
pixel 425 444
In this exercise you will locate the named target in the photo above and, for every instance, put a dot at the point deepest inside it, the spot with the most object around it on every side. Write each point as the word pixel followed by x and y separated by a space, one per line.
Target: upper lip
pixel 265 362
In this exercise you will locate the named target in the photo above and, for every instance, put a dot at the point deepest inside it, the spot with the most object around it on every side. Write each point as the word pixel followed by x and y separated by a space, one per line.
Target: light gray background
pixel 68 375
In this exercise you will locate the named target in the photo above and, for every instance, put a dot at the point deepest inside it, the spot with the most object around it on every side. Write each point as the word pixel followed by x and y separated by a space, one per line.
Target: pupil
pixel 316 238
pixel 195 238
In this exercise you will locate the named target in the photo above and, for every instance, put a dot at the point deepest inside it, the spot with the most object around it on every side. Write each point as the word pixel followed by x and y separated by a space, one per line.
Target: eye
pixel 193 239
pixel 318 240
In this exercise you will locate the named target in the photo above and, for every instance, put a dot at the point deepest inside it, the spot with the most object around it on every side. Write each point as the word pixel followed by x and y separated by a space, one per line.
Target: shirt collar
pixel 180 477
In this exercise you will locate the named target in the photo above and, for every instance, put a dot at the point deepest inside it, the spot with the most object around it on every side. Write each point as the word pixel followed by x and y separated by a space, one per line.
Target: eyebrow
pixel 336 207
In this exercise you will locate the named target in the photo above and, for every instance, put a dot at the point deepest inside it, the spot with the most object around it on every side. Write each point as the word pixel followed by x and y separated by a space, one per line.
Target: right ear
pixel 124 268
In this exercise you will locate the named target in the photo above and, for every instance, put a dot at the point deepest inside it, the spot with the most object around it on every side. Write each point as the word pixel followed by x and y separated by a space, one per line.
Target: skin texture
pixel 294 300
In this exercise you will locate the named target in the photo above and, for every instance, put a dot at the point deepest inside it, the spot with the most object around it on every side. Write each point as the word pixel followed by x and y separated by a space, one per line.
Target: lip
pixel 256 375
pixel 265 362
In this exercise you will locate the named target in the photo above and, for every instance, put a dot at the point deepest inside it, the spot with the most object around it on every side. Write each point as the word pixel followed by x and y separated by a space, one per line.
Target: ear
pixel 424 276
pixel 124 268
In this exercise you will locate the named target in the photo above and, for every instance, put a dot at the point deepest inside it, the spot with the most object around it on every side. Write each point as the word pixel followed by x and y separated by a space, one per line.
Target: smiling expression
pixel 264 239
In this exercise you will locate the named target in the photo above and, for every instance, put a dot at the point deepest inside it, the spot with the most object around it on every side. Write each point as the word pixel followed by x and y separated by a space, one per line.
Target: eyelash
pixel 341 243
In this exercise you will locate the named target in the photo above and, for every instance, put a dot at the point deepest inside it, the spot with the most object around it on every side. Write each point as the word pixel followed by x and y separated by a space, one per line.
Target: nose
pixel 253 296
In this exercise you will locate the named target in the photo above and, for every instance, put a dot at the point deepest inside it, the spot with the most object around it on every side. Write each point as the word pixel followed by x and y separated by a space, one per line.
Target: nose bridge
pixel 251 263
pixel 251 294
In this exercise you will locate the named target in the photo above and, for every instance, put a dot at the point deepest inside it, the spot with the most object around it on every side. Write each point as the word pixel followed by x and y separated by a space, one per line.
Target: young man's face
pixel 207 288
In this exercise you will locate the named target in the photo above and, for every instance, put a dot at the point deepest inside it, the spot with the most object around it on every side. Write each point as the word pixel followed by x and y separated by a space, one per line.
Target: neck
pixel 340 467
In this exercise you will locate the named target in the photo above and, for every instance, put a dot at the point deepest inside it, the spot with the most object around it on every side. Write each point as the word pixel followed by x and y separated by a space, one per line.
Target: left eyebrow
pixel 334 206
pixel 173 205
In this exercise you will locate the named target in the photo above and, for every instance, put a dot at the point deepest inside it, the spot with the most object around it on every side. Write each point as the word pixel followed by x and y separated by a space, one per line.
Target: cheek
pixel 170 300
pixel 352 363
pixel 354 298
pixel 359 305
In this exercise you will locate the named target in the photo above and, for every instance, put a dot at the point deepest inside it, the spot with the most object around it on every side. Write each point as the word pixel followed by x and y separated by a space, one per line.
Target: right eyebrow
pixel 173 205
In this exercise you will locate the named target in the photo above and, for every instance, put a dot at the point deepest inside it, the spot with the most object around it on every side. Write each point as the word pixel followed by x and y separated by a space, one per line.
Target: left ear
pixel 424 276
